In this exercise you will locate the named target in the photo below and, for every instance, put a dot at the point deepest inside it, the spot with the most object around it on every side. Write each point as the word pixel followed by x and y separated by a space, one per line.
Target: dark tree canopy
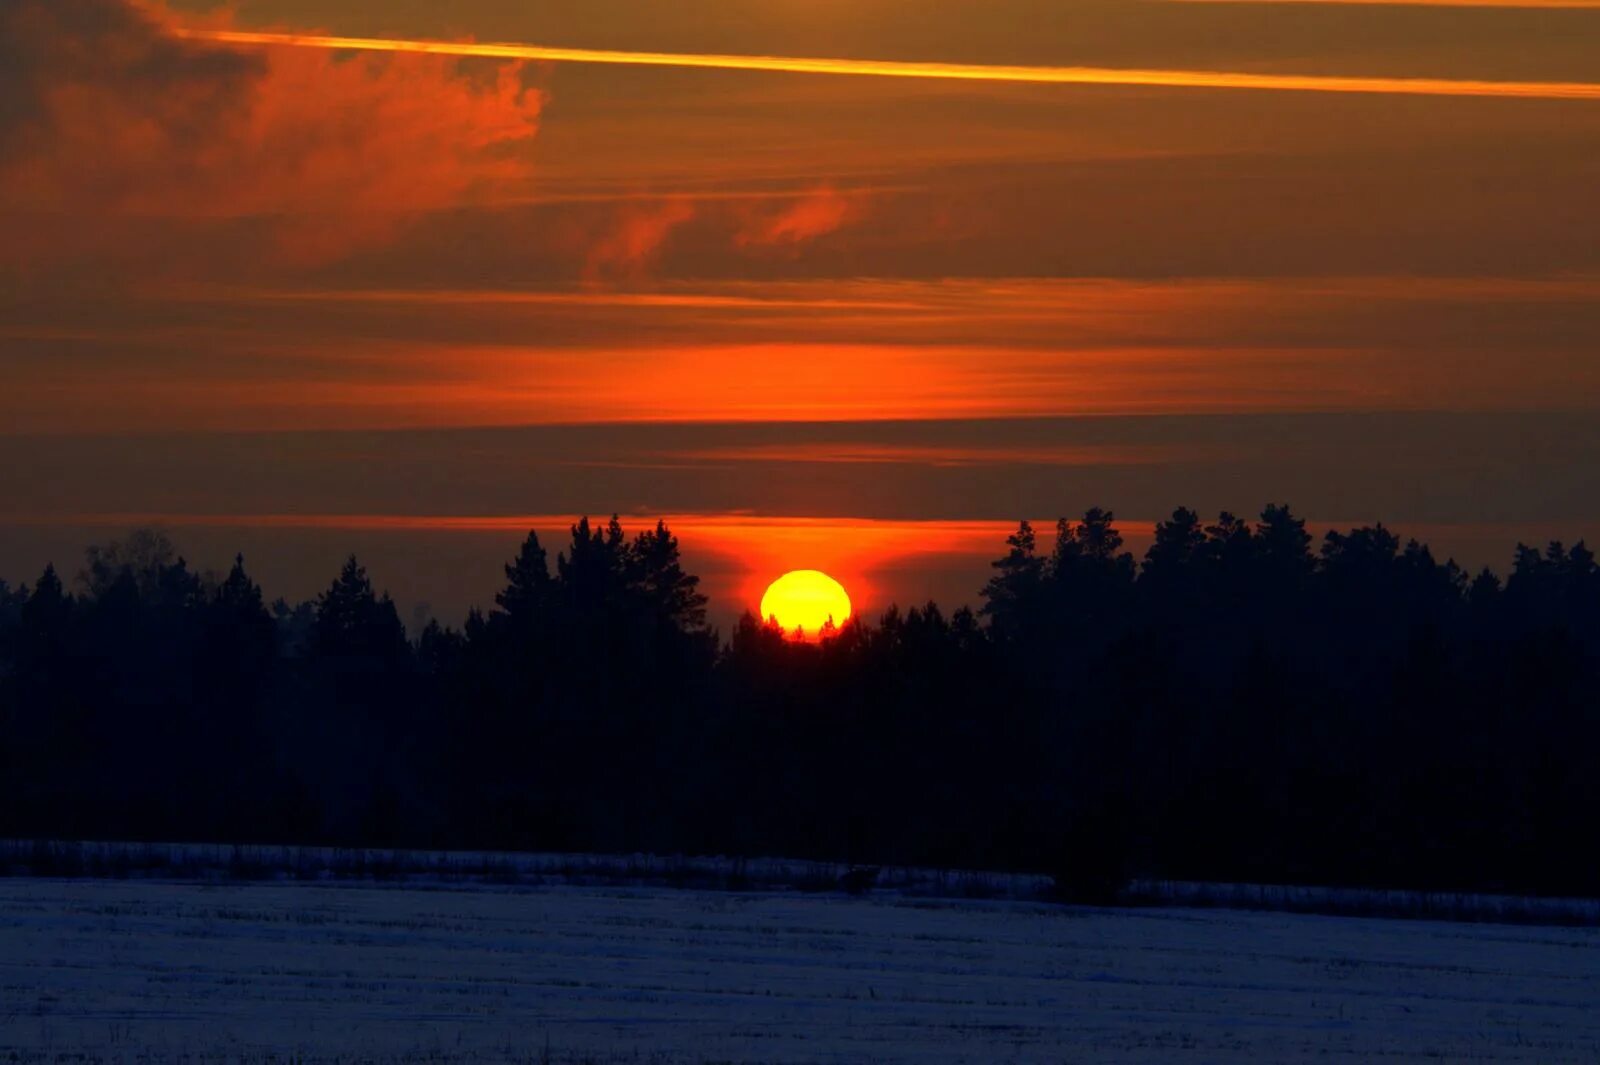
pixel 1239 704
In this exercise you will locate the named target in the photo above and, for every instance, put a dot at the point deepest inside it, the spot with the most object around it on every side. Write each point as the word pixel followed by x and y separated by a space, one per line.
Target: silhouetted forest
pixel 1237 705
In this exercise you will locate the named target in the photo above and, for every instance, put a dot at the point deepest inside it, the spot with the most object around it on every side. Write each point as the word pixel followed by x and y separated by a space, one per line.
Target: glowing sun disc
pixel 805 599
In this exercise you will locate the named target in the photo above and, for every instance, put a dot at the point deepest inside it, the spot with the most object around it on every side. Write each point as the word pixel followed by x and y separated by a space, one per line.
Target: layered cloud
pixel 211 358
pixel 117 136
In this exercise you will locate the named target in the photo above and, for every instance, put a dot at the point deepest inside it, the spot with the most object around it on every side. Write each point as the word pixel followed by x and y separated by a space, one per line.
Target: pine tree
pixel 528 584
pixel 657 574
pixel 1012 593
pixel 1283 547
pixel 1178 542
pixel 590 574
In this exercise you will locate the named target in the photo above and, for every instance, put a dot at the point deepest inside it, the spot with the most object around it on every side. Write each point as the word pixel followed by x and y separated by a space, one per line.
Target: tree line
pixel 1239 704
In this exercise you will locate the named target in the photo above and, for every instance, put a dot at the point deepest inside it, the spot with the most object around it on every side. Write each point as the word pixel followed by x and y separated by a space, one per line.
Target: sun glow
pixel 804 601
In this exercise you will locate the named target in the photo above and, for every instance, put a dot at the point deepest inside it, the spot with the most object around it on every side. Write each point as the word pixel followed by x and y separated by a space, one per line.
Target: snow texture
pixel 143 970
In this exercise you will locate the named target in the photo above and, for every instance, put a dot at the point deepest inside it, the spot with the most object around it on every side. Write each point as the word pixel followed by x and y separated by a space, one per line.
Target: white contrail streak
pixel 1037 75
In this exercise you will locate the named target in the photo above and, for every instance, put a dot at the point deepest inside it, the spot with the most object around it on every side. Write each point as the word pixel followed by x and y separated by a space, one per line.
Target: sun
pixel 804 600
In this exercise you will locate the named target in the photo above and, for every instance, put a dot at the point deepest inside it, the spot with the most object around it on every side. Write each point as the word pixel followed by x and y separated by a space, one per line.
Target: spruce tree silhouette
pixel 528 591
pixel 237 645
pixel 1011 598
pixel 354 625
pixel 45 611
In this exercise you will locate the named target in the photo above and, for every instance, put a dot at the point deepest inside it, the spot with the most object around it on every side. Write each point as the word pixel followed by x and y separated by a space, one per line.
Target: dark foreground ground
pixel 97 970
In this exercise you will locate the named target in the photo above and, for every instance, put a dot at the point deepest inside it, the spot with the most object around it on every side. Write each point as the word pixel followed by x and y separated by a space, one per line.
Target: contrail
pixel 880 68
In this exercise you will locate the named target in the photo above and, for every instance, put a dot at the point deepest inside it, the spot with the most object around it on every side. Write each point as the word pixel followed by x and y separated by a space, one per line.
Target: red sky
pixel 272 281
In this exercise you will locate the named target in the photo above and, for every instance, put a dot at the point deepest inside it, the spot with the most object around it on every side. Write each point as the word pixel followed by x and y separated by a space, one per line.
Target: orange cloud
pixel 805 350
pixel 116 124
pixel 639 230
pixel 814 215
pixel 398 385
pixel 636 236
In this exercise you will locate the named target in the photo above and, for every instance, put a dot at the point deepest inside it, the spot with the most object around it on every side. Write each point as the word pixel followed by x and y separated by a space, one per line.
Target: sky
pixel 839 285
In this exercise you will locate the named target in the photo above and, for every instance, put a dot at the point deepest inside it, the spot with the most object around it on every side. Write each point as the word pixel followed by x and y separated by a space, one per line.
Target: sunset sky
pixel 963 263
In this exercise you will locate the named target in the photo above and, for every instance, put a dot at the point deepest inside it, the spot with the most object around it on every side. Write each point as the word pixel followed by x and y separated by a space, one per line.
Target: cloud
pixel 197 357
pixel 814 215
pixel 629 239
pixel 635 238
pixel 113 130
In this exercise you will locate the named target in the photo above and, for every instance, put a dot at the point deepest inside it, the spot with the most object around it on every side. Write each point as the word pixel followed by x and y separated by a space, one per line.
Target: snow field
pixel 95 970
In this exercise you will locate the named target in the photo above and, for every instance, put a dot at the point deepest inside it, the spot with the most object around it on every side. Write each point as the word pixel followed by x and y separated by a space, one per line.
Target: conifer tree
pixel 658 575
pixel 528 583
pixel 1012 593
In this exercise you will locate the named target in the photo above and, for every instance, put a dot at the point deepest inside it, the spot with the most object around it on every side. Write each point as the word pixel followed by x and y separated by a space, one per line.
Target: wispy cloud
pixel 816 214
pixel 1037 75
pixel 636 236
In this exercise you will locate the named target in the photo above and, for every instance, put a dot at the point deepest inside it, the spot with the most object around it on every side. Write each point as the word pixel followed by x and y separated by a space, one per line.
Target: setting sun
pixel 803 601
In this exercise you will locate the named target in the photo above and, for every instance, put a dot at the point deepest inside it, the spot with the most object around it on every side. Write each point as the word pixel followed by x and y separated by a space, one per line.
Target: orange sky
pixel 1076 252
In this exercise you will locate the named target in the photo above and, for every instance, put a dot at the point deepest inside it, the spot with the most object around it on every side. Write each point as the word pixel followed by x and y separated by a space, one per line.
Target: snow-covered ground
pixel 228 862
pixel 94 970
